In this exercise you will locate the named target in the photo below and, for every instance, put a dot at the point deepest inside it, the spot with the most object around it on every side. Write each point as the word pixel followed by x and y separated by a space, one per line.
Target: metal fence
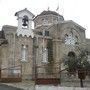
pixel 72 79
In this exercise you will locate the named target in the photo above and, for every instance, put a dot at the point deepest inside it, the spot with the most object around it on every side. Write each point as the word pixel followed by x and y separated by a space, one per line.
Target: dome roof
pixel 49 12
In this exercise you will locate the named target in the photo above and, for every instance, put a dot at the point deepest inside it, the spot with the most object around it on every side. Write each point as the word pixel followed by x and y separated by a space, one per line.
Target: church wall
pixel 41 45
pixel 13 53
pixel 88 48
pixel 27 65
pixel 4 60
pixel 60 49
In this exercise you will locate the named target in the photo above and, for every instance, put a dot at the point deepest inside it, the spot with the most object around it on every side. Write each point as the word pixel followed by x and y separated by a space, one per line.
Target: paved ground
pixel 24 85
pixel 30 85
pixel 6 87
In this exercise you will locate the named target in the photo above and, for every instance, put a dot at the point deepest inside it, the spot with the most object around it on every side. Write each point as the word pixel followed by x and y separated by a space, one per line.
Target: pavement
pixel 6 87
pixel 24 85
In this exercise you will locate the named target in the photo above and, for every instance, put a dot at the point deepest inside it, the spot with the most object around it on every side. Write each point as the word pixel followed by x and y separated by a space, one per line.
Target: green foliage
pixel 74 63
pixel 70 63
pixel 78 64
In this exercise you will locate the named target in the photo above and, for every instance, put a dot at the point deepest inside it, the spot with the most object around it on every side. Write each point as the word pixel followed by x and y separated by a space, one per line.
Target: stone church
pixel 24 50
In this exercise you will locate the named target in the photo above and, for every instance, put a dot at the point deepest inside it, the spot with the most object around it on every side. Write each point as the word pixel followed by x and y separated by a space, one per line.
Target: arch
pixel 67 30
pixel 71 54
pixel 25 20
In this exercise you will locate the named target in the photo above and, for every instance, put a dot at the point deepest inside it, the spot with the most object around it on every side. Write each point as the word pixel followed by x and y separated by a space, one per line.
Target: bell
pixel 25 21
pixel 24 24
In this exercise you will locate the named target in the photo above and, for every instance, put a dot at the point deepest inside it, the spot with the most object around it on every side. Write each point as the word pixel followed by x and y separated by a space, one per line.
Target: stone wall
pixel 48 87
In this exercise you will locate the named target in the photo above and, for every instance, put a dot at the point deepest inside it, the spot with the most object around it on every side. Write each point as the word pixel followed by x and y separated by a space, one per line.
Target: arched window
pixel 70 39
pixel 45 55
pixel 71 54
pixel 25 21
pixel 24 53
pixel 76 40
pixel 66 36
pixel 45 21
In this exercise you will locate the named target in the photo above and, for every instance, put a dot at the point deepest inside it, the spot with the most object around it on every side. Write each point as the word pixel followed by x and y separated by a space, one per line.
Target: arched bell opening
pixel 25 21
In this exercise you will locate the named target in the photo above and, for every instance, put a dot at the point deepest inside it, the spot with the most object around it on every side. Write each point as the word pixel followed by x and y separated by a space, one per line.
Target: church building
pixel 27 53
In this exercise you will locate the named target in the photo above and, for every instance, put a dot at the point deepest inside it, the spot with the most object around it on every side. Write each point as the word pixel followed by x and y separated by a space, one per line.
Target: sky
pixel 76 10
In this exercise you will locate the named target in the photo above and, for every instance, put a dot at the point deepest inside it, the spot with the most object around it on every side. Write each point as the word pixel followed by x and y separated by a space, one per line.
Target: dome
pixel 49 12
pixel 47 18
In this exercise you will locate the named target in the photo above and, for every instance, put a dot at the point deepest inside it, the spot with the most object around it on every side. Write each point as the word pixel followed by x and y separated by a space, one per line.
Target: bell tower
pixel 25 19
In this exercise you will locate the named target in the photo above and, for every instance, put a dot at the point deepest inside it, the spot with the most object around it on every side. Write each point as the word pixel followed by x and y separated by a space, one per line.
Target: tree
pixel 78 64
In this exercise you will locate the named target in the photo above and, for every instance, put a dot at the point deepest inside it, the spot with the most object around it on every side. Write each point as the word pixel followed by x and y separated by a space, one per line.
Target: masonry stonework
pixel 32 44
